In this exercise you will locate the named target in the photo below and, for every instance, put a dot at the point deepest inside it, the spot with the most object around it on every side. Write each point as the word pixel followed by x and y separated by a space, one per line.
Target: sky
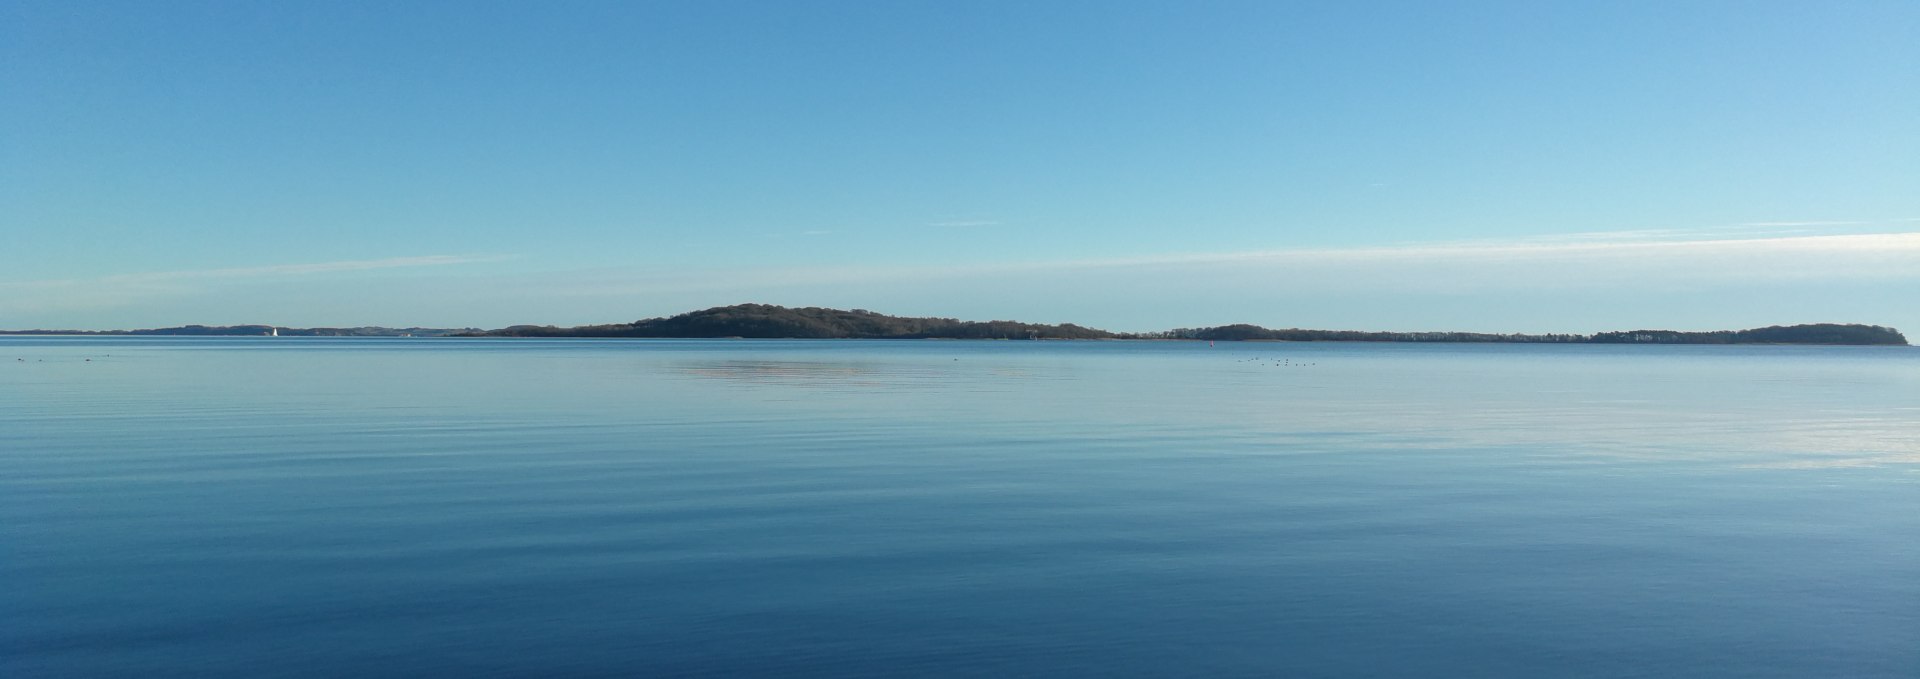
pixel 1480 166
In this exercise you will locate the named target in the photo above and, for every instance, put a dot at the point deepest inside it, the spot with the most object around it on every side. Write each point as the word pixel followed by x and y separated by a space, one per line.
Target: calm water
pixel 314 507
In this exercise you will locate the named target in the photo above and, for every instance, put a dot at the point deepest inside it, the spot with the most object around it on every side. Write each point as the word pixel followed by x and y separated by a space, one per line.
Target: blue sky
pixel 1518 166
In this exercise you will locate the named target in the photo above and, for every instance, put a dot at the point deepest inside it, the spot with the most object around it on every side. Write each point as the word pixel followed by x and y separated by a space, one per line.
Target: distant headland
pixel 765 321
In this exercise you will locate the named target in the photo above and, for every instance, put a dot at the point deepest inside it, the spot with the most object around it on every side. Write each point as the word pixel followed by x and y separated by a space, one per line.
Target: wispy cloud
pixel 309 268
pixel 128 288
pixel 1775 257
pixel 1807 223
pixel 1723 232
pixel 1618 259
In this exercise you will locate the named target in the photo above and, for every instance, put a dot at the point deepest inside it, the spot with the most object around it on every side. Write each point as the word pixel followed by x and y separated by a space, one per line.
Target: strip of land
pixel 765 321
pixel 251 330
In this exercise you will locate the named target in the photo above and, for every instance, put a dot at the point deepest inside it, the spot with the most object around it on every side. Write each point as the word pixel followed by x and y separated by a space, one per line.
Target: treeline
pixel 254 330
pixel 766 321
pixel 361 331
pixel 1816 333
pixel 1242 332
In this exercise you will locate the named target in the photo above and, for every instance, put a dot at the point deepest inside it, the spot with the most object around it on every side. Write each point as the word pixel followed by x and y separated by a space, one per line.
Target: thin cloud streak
pixel 1620 258
pixel 276 270
pixel 317 268
pixel 1746 230
pixel 1809 223
pixel 122 289
pixel 1599 245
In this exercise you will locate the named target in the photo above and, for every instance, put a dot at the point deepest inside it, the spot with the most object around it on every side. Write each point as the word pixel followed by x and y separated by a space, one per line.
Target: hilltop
pixel 767 322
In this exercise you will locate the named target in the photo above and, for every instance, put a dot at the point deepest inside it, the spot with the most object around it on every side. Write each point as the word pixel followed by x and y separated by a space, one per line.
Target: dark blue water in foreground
pixel 312 507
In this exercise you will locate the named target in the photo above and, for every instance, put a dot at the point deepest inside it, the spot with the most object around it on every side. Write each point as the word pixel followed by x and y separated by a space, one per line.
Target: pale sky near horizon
pixel 1485 166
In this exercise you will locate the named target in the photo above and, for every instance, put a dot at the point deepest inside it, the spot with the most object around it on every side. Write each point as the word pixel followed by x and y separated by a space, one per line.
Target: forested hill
pixel 768 321
pixel 1817 333
pixel 772 322
pixel 1244 332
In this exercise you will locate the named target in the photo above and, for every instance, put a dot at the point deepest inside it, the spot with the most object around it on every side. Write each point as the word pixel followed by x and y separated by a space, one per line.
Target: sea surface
pixel 310 507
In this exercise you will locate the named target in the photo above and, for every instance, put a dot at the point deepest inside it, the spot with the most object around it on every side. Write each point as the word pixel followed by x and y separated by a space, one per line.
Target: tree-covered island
pixel 766 321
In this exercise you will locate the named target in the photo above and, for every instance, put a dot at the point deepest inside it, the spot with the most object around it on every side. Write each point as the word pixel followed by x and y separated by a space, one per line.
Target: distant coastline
pixel 764 321
pixel 259 330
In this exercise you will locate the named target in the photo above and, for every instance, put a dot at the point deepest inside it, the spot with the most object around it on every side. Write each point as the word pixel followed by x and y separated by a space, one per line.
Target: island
pixel 767 321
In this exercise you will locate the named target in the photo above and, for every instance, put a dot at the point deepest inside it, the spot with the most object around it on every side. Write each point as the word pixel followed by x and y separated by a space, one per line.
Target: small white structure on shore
pixel 273 331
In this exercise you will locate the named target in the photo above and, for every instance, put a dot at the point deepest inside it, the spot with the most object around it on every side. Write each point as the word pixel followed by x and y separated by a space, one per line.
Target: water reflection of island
pixel 864 375
pixel 815 373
